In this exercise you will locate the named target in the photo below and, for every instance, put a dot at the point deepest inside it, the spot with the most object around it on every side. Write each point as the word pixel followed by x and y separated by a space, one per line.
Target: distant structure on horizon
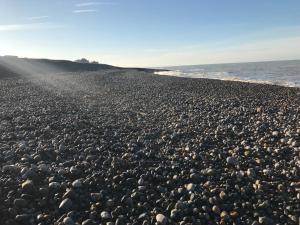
pixel 84 60
pixel 11 56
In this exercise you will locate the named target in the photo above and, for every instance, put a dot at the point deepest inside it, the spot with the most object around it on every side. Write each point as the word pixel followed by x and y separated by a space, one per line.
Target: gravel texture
pixel 127 147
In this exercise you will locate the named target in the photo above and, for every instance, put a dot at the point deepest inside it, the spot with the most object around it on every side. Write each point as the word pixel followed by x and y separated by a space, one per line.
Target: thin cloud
pixel 37 17
pixel 85 4
pixel 28 26
pixel 85 11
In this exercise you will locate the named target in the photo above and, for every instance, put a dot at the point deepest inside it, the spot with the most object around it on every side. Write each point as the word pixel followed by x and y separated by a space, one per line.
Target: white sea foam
pixel 283 73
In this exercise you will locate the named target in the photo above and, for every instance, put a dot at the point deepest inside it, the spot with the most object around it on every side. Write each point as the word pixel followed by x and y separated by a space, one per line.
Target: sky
pixel 151 33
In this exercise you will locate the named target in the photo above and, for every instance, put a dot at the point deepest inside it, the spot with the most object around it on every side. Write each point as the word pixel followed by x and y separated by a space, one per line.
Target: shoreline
pixel 268 82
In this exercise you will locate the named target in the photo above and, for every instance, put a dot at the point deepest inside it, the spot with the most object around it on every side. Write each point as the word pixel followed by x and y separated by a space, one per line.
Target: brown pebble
pixel 222 195
pixel 216 209
pixel 234 214
pixel 224 215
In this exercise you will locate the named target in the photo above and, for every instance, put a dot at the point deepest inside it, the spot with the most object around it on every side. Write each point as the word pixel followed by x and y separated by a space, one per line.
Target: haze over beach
pixel 137 112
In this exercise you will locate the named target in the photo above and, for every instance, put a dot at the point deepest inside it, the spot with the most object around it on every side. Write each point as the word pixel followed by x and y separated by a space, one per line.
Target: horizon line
pixel 73 60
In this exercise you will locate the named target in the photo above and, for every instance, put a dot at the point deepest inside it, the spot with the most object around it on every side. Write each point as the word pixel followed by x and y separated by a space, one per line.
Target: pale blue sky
pixel 151 32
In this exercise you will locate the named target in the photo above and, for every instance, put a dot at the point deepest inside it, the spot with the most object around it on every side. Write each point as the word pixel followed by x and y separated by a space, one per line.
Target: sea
pixel 283 73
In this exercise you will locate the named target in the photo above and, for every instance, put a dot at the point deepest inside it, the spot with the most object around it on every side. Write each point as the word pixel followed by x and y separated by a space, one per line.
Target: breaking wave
pixel 283 73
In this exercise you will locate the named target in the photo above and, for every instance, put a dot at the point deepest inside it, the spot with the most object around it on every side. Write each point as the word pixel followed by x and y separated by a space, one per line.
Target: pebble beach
pixel 127 147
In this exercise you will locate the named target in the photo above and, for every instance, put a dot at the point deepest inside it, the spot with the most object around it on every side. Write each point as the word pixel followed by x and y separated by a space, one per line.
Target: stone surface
pixel 161 219
pixel 142 147
pixel 66 204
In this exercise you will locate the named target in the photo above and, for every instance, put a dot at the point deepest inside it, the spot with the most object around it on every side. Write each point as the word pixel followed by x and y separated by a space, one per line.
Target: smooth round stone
pixel 54 186
pixel 180 190
pixel 77 184
pixel 120 221
pixel 72 214
pixel 190 187
pixel 68 221
pixel 142 216
pixel 161 219
pixel 222 195
pixel 142 188
pixel 250 172
pixel 174 213
pixel 266 171
pixel 224 215
pixel 295 144
pixel 109 223
pixel 231 161
pixel 275 133
pixel 259 109
pixel 216 210
pixel 105 215
pixel 234 214
pixel 265 220
pixel 88 222
pixel 179 205
pixel 70 193
pixel 66 204
pixel 28 186
pixel 40 217
pixel 209 171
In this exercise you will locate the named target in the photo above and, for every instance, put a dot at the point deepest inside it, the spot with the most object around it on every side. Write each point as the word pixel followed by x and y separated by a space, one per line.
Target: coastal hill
pixel 14 66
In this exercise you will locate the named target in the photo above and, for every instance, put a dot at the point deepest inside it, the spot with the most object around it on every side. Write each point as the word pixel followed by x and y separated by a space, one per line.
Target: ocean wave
pixel 226 76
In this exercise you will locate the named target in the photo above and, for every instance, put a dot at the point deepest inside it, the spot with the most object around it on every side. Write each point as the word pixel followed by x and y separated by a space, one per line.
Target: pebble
pixel 265 220
pixel 195 177
pixel 28 186
pixel 216 210
pixel 105 215
pixel 54 186
pixel 96 196
pixel 232 161
pixel 66 204
pixel 68 221
pixel 77 184
pixel 190 187
pixel 222 195
pixel 88 222
pixel 119 221
pixel 250 172
pixel 22 218
pixel 161 219
pixel 224 215
pixel 174 213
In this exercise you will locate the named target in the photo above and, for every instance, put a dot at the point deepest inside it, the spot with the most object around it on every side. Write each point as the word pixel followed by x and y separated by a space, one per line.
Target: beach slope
pixel 131 147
